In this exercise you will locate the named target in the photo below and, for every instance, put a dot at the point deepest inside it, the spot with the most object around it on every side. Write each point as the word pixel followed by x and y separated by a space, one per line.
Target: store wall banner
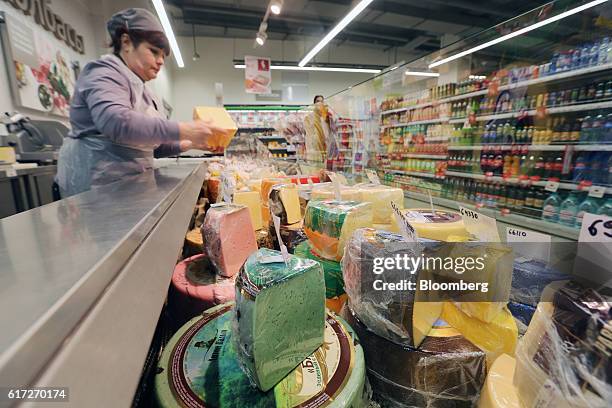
pixel 257 75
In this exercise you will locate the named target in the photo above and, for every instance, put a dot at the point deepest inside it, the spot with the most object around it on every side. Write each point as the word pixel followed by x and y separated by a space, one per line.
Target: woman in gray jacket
pixel 117 125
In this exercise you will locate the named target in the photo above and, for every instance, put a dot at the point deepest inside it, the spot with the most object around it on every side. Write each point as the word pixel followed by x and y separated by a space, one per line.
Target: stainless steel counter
pixel 60 263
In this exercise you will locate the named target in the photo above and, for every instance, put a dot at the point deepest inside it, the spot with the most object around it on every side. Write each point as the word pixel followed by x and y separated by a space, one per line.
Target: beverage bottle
pixel 507 169
pixel 491 161
pixel 539 166
pixel 603 51
pixel 551 207
pixel 591 92
pixel 529 201
pixel 585 55
pixel 497 195
pixel 498 163
pixel 589 205
pixel 608 91
pixel 597 127
pixel 538 202
pixel 569 210
pixel 531 164
pixel 600 89
pixel 576 58
pixel 519 202
pixel 594 57
pixel 530 135
pixel 490 196
pixel 475 165
pixel 585 130
pixel 516 163
pixel 582 94
pixel 472 191
pixel 511 198
pixel 503 196
pixel 558 166
pixel 606 208
pixel 575 133
pixel 524 169
pixel 553 63
pixel 597 165
pixel 607 132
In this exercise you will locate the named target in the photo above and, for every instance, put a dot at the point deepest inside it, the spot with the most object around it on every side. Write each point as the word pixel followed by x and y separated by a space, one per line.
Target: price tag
pixel 11 172
pixel 597 191
pixel 406 230
pixel 372 176
pixel 529 244
pixel 283 248
pixel 483 227
pixel 552 186
pixel 594 254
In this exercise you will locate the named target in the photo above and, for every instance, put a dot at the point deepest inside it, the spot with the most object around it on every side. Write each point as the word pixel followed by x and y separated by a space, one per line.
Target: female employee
pixel 116 121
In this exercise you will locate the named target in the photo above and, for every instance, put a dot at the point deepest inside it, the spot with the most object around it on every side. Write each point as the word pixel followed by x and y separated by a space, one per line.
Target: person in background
pixel 318 98
pixel 117 123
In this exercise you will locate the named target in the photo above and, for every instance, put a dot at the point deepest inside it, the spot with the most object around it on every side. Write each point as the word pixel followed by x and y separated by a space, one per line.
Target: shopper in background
pixel 117 123
pixel 318 98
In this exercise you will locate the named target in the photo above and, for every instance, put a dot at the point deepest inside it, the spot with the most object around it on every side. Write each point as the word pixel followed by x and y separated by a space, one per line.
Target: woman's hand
pixel 199 133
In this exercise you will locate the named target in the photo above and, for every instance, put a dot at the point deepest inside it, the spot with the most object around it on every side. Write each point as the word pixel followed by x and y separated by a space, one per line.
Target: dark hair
pixel 317 97
pixel 155 38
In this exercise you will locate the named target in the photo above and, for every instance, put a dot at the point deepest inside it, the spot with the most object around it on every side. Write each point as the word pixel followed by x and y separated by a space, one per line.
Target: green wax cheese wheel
pixel 200 368
pixel 334 283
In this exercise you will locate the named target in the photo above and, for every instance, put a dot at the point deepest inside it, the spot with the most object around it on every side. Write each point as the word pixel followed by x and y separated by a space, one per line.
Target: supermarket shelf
pixel 255 129
pixel 514 219
pixel 266 138
pixel 564 186
pixel 413 173
pixel 420 156
pixel 539 148
pixel 407 108
pixel 418 122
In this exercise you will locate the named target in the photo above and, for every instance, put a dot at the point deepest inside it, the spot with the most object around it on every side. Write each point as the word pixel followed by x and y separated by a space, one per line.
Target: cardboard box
pixel 219 118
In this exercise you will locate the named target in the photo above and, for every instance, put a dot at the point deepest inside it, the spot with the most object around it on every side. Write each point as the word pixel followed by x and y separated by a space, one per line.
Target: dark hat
pixel 134 19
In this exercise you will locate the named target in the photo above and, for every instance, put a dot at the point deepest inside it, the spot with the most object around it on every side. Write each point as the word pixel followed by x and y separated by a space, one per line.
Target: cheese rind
pixel 199 367
pixel 252 200
pixel 496 338
pixel 280 313
pixel 402 316
pixel 284 202
pixel 446 370
pixel 329 224
pixel 229 237
pixel 225 127
pixel 498 391
pixel 380 197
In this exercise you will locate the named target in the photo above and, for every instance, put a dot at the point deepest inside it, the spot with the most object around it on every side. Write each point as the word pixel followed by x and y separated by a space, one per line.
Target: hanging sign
pixel 257 75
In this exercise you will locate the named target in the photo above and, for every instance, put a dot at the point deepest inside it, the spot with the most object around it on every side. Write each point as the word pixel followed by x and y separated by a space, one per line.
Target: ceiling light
pixel 261 38
pixel 196 56
pixel 163 18
pixel 518 32
pixel 276 6
pixel 334 32
pixel 424 74
pixel 317 69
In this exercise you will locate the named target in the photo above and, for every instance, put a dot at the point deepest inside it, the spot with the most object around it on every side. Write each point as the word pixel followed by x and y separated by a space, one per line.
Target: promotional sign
pixel 257 75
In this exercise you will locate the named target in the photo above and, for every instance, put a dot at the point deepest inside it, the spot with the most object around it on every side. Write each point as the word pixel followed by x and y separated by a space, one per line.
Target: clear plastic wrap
pixel 329 224
pixel 381 196
pixel 264 239
pixel 559 360
pixel 445 371
pixel 496 337
pixel 196 287
pixel 529 278
pixel 284 202
pixel 498 391
pixel 522 315
pixel 228 237
pixel 444 225
pixel 291 235
pixel 280 314
pixel 200 367
pixel 402 316
pixel 326 191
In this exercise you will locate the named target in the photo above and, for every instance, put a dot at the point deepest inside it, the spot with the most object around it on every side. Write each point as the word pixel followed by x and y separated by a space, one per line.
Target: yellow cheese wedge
pixel 252 200
pixel 285 203
pixel 499 391
pixel 219 118
pixel 381 197
pixel 495 338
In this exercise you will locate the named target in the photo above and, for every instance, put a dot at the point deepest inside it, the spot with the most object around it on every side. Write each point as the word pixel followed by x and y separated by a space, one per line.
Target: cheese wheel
pixel 194 243
pixel 196 287
pixel 334 283
pixel 443 226
pixel 199 367
pixel 380 197
pixel 326 191
pixel 445 371
pixel 498 391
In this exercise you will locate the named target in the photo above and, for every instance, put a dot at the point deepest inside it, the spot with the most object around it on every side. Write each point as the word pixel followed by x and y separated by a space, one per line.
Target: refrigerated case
pixel 515 121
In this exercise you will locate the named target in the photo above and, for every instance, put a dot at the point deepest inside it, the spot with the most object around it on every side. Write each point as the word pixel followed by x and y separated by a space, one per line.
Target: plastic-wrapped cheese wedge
pixel 445 371
pixel 199 368
pixel 194 243
pixel 329 224
pixel 326 191
pixel 284 202
pixel 196 287
pixel 380 197
pixel 291 235
pixel 334 283
pixel 442 226
pixel 213 185
pixel 228 236
pixel 252 200
pixel 264 239
pixel 564 358
pixel 401 315
pixel 266 187
pixel 498 391
pixel 495 338
pixel 219 118
pixel 280 314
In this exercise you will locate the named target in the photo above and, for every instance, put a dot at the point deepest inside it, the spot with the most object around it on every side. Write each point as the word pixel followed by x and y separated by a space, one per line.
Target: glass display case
pixel 515 121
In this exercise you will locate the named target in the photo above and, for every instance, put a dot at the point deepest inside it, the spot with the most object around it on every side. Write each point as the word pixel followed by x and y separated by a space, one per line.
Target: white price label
pixel 372 176
pixel 552 186
pixel 11 172
pixel 483 227
pixel 595 228
pixel 406 230
pixel 526 246
pixel 597 191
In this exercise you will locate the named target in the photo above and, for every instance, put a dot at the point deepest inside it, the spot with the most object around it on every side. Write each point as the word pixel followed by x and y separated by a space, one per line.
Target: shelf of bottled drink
pixel 537 147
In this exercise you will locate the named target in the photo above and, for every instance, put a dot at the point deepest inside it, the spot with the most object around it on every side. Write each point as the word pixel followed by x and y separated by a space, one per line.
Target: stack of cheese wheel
pixel 199 367
pixel 334 284
pixel 196 287
pixel 441 226
pixel 499 391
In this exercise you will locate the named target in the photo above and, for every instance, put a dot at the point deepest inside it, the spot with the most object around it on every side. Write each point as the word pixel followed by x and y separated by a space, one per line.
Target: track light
pixel 262 36
pixel 276 6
